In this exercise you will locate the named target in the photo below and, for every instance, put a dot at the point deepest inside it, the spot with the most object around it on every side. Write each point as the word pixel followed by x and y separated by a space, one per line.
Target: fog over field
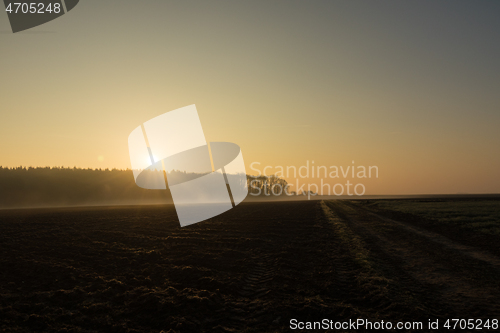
pixel 249 166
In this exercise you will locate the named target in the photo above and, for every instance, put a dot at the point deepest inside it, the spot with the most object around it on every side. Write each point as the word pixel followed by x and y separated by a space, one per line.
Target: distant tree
pixel 264 185
pixel 59 186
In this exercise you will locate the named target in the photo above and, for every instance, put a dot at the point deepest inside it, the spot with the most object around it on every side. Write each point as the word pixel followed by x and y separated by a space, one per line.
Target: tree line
pixel 60 186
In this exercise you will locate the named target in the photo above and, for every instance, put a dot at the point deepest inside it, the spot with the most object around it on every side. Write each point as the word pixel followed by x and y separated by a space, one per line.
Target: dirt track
pixel 252 269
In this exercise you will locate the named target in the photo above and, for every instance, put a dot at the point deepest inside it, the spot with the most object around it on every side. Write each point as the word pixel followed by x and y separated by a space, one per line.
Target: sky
pixel 410 87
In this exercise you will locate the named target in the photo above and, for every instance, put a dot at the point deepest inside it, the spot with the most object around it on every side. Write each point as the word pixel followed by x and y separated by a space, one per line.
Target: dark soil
pixel 252 269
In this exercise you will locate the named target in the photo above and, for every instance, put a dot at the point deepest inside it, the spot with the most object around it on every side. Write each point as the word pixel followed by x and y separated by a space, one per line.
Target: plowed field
pixel 252 269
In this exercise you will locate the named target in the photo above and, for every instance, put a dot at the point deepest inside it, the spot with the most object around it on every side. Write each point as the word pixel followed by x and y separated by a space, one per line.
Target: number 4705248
pixel 472 324
pixel 33 8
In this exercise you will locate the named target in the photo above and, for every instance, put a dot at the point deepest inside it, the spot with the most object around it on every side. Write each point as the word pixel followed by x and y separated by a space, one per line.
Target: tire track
pixel 425 267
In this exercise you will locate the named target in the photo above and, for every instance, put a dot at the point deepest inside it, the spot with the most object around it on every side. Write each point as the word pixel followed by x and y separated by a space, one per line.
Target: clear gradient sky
pixel 410 86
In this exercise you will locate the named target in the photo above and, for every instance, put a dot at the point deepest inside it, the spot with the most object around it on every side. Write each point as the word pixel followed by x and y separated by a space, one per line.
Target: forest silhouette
pixel 59 186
